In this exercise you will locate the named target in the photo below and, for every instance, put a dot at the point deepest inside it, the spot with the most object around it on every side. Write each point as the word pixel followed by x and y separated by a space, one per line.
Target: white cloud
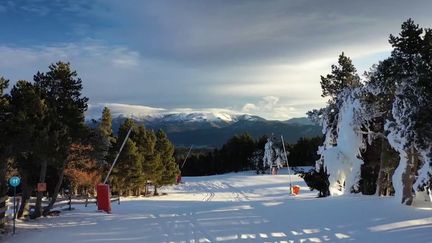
pixel 116 74
pixel 212 54
pixel 271 108
pixel 268 107
pixel 95 110
pixel 249 108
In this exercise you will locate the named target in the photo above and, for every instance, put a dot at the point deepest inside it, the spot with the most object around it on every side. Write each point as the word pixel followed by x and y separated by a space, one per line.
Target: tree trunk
pixel 56 189
pixel 388 187
pixel 3 187
pixel 155 193
pixel 381 177
pixel 408 177
pixel 26 191
pixel 42 176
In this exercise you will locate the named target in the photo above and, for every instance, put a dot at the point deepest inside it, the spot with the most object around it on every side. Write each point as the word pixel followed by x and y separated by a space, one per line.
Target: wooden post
pixel 3 209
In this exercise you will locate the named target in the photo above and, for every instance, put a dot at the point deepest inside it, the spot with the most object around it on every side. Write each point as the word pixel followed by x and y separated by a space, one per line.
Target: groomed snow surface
pixel 236 207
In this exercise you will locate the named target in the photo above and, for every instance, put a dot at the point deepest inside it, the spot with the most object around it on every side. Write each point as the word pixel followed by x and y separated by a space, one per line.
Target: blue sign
pixel 14 181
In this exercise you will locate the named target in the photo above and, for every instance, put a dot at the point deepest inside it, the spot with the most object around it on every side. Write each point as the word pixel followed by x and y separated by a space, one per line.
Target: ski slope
pixel 236 207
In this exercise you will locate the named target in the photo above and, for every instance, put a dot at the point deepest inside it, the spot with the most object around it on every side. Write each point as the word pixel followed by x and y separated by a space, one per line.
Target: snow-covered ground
pixel 236 207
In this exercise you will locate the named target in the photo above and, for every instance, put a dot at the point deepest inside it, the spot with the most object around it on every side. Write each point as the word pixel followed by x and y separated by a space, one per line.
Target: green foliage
pixel 304 152
pixel 129 167
pixel 165 149
pixel 28 124
pixel 45 118
pixel 342 79
pixel 103 137
pixel 61 89
pixel 28 129
pixel 397 98
pixel 343 75
pixel 4 110
pixel 411 71
pixel 105 126
pixel 146 157
pixel 236 154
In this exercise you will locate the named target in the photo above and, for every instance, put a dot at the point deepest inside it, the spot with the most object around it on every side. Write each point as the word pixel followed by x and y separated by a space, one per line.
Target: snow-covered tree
pixel 256 159
pixel 410 127
pixel 340 151
pixel 394 105
pixel 273 155
pixel 343 160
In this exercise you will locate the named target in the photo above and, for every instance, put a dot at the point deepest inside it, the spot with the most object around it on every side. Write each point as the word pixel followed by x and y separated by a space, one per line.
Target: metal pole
pixel 118 154
pixel 186 157
pixel 286 158
pixel 14 210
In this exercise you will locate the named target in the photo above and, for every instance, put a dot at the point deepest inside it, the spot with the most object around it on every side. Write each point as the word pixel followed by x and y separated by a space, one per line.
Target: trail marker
pixel 14 181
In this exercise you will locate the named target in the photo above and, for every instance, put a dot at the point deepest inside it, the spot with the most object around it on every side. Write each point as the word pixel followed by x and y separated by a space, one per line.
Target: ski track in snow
pixel 209 195
pixel 235 207
pixel 238 195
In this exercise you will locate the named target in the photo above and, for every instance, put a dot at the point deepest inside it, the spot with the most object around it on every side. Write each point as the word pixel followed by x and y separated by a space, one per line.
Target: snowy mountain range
pixel 213 129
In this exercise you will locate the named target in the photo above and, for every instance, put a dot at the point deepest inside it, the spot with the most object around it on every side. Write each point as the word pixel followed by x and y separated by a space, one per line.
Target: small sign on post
pixel 14 181
pixel 41 187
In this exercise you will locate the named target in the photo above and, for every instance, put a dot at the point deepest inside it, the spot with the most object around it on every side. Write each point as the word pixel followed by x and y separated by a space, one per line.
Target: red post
pixel 296 190
pixel 103 197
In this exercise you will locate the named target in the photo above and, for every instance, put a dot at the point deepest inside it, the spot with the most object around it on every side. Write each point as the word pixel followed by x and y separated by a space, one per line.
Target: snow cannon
pixel 103 197
pixel 296 190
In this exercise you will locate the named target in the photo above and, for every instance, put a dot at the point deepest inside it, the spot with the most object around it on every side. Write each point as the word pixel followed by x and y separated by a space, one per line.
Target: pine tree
pixel 129 168
pixel 234 155
pixel 342 79
pixel 409 130
pixel 338 86
pixel 106 122
pixel 127 174
pixel 4 111
pixel 256 159
pixel 105 126
pixel 304 152
pixel 165 149
pixel 343 75
pixel 28 130
pixel 102 139
pixel 378 100
pixel 152 164
pixel 61 90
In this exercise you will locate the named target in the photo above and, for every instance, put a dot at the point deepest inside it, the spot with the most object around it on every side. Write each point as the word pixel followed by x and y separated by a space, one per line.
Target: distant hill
pixel 213 130
pixel 300 121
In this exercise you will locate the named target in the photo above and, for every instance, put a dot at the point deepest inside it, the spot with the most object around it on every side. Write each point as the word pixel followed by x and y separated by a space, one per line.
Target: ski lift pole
pixel 187 155
pixel 118 154
pixel 286 158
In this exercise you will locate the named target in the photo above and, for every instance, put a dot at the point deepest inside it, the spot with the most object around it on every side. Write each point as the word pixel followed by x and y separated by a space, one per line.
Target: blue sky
pixel 259 57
